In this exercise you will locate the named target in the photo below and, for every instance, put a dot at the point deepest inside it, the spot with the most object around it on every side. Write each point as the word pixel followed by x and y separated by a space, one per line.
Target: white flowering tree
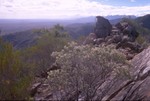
pixel 84 69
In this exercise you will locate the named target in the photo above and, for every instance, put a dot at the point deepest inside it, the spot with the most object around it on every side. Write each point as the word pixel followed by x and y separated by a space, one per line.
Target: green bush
pixel 13 80
pixel 142 41
pixel 38 56
pixel 85 68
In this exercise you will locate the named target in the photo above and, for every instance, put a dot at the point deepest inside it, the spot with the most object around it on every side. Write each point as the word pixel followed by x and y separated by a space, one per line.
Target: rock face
pixel 103 27
pixel 136 88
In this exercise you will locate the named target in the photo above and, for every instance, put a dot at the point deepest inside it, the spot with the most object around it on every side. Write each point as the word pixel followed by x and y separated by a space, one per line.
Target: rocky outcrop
pixel 93 39
pixel 137 88
pixel 134 87
pixel 128 30
pixel 122 35
pixel 102 28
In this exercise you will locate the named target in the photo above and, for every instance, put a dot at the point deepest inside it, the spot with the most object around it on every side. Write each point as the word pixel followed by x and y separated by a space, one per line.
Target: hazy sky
pixel 59 9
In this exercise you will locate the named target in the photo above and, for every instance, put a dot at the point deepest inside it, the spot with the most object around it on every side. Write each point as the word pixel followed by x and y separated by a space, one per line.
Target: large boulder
pixel 103 27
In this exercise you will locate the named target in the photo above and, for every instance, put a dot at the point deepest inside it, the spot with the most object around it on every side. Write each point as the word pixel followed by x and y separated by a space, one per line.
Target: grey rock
pixel 117 38
pixel 90 39
pixel 98 41
pixel 137 88
pixel 128 30
pixel 133 46
pixel 103 27
pixel 34 88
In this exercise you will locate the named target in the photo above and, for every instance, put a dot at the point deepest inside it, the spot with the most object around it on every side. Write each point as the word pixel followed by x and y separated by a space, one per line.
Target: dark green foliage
pixel 17 68
pixel 78 29
pixel 38 56
pixel 13 80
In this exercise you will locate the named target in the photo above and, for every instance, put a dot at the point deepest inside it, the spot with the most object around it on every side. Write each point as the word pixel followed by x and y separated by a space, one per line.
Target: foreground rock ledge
pixel 138 87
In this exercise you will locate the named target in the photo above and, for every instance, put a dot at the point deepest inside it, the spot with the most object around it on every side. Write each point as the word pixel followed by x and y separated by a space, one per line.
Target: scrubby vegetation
pixel 19 67
pixel 84 69
pixel 39 54
pixel 14 76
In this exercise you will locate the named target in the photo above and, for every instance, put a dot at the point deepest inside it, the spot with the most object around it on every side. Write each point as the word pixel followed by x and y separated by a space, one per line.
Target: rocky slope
pixel 122 36
pixel 137 88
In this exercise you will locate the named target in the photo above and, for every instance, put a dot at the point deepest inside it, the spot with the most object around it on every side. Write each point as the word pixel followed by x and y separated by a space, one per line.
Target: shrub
pixel 85 68
pixel 38 56
pixel 13 80
pixel 142 41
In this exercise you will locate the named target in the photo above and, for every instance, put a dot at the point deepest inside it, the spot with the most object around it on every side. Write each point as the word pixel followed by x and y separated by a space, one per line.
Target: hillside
pixel 75 30
pixel 22 39
pixel 28 38
pixel 10 26
pixel 20 32
pixel 78 29
pixel 111 62
pixel 107 66
pixel 144 21
pixel 74 50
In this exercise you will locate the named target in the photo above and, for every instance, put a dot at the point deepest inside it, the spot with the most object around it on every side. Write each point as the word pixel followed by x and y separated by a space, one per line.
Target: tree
pixel 13 80
pixel 38 56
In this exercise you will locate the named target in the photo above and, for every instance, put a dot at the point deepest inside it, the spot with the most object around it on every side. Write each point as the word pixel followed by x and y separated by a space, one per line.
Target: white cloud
pixel 63 9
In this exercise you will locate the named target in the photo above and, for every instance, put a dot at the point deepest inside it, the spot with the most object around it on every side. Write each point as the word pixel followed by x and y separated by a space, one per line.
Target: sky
pixel 66 9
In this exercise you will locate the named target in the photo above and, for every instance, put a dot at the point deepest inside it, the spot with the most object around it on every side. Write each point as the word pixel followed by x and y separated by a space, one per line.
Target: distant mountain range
pixel 76 28
pixel 93 18
pixel 17 25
